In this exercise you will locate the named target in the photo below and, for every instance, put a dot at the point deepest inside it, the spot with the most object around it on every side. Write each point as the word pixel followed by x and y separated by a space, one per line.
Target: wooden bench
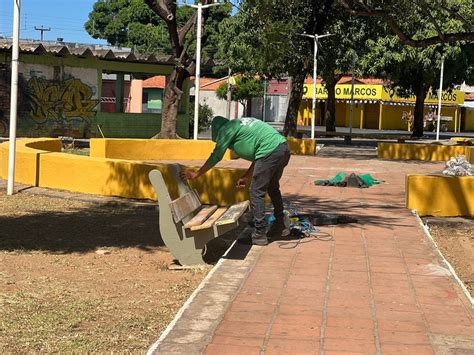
pixel 186 225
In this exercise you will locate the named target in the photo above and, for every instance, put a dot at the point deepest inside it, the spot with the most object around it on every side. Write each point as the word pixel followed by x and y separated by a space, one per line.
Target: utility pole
pixel 14 96
pixel 354 59
pixel 315 38
pixel 229 94
pixel 42 29
pixel 440 96
pixel 199 6
pixel 264 98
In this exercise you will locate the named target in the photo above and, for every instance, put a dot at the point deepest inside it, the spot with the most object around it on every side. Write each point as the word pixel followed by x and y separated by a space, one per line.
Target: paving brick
pixel 251 307
pixel 314 319
pixel 356 345
pixel 350 333
pixel 292 346
pixel 407 349
pixel 396 337
pixel 350 322
pixel 243 340
pixel 401 326
pixel 226 349
pixel 295 331
pixel 233 328
pixel 257 317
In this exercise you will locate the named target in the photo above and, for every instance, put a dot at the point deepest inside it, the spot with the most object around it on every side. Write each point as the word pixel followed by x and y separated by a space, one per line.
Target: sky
pixel 65 17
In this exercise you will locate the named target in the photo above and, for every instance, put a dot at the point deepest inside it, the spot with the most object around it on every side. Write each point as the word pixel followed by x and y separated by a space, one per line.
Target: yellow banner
pixel 380 92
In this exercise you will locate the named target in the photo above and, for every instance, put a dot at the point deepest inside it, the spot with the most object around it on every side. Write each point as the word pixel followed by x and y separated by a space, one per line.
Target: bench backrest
pixel 185 205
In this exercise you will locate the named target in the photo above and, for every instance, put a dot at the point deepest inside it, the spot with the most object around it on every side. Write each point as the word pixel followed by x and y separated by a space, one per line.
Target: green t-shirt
pixel 248 137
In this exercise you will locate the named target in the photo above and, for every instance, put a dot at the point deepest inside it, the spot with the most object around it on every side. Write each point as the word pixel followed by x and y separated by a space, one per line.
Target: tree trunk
pixel 248 108
pixel 421 92
pixel 171 100
pixel 294 101
pixel 331 107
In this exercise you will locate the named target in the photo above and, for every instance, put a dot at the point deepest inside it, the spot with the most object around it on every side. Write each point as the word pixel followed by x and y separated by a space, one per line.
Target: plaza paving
pixel 378 286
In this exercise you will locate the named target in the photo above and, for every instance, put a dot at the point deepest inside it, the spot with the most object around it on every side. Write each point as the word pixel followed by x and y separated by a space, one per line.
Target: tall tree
pixel 244 90
pixel 264 38
pixel 402 16
pixel 414 70
pixel 159 26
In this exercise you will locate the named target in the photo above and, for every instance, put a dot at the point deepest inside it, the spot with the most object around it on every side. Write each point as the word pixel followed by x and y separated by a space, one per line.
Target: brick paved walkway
pixel 377 287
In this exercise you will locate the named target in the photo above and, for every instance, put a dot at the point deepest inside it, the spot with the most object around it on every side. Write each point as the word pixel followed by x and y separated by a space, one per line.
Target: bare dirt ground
pixel 455 238
pixel 84 274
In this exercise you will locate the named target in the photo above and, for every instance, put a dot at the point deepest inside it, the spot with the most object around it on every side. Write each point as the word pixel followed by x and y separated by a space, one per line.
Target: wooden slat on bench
pixel 201 216
pixel 233 213
pixel 211 220
pixel 184 205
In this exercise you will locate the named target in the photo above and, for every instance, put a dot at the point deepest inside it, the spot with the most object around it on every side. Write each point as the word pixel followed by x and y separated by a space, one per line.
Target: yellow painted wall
pixel 153 149
pixel 392 117
pixel 428 152
pixel 302 146
pixel 469 126
pixel 109 176
pixel 437 195
pixel 341 114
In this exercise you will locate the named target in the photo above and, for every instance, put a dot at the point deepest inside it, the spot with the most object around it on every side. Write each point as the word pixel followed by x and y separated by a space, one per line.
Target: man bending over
pixel 258 142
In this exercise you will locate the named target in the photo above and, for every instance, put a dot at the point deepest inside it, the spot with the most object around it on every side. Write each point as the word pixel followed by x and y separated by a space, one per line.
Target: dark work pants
pixel 266 178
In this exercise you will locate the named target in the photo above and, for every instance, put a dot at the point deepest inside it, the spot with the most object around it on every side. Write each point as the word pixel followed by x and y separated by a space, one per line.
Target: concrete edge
pixel 254 253
pixel 445 261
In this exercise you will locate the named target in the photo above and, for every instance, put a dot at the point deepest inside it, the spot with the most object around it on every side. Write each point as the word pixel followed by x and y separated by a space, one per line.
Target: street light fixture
pixel 315 38
pixel 199 6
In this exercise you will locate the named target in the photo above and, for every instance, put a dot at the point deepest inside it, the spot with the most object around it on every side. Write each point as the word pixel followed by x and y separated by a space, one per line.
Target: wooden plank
pixel 211 220
pixel 201 216
pixel 184 205
pixel 233 213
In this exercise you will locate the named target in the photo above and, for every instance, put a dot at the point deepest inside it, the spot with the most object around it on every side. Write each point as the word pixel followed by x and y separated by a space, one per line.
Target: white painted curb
pixel 191 298
pixel 446 262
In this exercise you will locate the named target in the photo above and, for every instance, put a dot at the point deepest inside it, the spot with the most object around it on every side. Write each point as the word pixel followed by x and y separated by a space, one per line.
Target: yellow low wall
pixel 420 151
pixel 175 149
pixel 438 195
pixel 304 146
pixel 153 149
pixel 39 163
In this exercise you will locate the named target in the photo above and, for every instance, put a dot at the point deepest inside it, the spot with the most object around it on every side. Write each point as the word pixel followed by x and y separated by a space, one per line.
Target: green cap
pixel 217 123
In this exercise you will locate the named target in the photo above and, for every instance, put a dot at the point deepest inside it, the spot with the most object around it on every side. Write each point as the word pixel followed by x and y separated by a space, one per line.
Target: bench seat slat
pixel 211 220
pixel 185 205
pixel 201 216
pixel 233 213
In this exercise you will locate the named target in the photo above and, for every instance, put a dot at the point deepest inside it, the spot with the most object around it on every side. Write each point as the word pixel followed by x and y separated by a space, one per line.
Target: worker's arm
pixel 244 179
pixel 223 142
pixel 191 175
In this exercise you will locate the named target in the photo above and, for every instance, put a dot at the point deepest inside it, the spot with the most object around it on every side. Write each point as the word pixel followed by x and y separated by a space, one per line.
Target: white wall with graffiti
pixel 56 100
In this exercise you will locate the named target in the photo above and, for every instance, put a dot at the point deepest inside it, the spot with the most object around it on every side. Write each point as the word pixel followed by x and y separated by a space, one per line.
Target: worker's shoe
pixel 277 230
pixel 254 239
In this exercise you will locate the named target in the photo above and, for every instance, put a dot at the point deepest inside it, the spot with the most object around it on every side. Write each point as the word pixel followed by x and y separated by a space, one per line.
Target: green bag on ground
pixel 341 180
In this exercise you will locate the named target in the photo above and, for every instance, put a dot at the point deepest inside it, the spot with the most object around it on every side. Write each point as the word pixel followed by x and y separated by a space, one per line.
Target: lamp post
pixel 354 59
pixel 199 6
pixel 14 96
pixel 315 38
pixel 440 96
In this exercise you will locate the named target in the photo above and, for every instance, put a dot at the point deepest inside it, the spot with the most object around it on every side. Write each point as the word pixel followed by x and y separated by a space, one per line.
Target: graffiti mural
pixel 70 99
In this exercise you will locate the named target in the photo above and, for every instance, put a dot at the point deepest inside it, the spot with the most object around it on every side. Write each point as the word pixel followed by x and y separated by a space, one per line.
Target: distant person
pixel 258 142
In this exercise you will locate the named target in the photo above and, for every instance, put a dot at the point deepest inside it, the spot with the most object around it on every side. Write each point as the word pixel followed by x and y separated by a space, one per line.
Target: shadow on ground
pixel 99 225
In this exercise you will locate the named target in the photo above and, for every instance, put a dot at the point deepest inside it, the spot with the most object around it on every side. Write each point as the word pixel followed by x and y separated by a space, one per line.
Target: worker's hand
pixel 242 182
pixel 188 174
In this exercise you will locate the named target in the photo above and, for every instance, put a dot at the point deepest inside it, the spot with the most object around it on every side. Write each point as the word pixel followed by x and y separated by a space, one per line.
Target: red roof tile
pixel 158 82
